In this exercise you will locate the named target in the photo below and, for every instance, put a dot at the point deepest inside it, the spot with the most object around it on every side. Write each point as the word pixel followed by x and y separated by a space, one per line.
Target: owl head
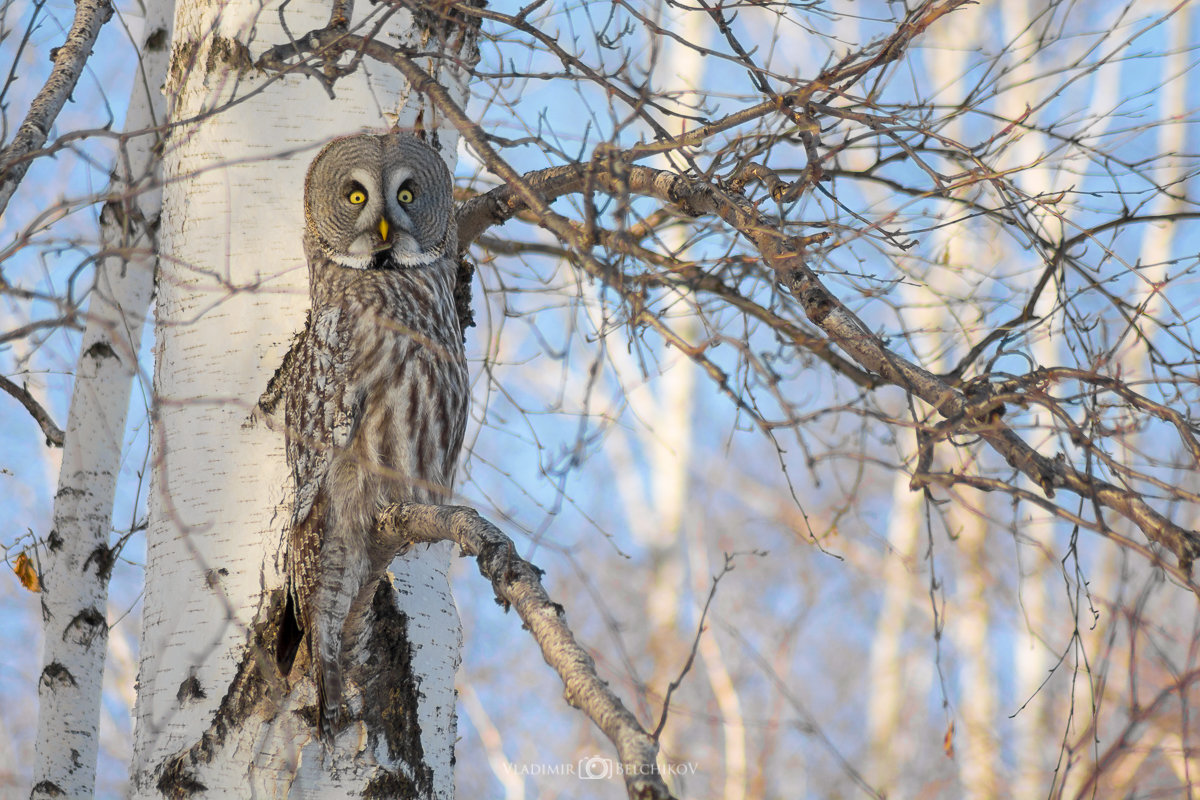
pixel 379 200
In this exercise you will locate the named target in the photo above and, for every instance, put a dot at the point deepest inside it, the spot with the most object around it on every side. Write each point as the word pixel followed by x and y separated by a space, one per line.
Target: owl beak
pixel 383 228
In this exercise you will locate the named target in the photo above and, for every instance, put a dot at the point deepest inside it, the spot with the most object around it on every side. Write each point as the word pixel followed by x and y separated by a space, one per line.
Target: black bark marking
pixel 56 673
pixel 391 697
pixel 229 52
pixel 462 296
pixel 100 350
pixel 190 689
pixel 182 60
pixel 388 784
pixel 291 633
pixel 104 557
pixel 177 784
pixel 248 694
pixel 157 40
pixel 47 789
pixel 86 626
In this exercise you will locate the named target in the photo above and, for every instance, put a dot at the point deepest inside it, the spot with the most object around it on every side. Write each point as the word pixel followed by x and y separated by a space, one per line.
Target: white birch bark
pixel 969 625
pixel 891 665
pixel 1046 621
pixel 232 292
pixel 969 618
pixel 77 561
pixel 1170 172
pixel 1032 660
pixel 888 662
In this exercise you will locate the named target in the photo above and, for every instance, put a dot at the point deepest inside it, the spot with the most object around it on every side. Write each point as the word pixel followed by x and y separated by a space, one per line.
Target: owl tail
pixel 328 675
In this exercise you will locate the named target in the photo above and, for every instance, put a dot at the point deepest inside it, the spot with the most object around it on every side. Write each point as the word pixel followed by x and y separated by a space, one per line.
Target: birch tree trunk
pixel 1032 660
pixel 78 561
pixel 213 713
pixel 935 334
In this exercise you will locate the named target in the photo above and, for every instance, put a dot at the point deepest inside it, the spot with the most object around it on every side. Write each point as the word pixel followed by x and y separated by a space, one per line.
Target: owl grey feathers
pixel 374 390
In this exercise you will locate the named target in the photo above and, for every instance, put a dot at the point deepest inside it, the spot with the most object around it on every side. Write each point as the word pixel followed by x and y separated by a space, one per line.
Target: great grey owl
pixel 374 390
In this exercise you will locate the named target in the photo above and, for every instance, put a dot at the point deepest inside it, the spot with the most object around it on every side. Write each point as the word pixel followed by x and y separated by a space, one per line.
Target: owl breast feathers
pixel 374 390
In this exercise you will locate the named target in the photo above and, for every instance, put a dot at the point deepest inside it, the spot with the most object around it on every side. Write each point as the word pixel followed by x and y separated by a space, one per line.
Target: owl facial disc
pixel 380 201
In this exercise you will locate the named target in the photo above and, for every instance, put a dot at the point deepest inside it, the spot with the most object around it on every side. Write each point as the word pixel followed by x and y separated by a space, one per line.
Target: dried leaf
pixel 948 741
pixel 27 573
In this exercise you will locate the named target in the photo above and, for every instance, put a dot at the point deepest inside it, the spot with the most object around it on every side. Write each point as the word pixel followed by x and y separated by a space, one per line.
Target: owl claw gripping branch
pixel 374 390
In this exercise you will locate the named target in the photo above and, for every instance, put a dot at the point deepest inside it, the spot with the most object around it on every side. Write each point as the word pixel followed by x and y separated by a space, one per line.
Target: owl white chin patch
pixel 407 253
pixel 414 259
pixel 352 261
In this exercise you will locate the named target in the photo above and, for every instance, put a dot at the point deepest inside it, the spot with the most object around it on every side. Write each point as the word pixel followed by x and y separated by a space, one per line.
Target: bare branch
pixel 611 171
pixel 726 568
pixel 517 584
pixel 54 434
pixel 69 59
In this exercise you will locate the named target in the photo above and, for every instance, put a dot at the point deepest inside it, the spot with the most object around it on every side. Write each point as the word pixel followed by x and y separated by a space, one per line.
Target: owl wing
pixel 323 405
pixel 322 409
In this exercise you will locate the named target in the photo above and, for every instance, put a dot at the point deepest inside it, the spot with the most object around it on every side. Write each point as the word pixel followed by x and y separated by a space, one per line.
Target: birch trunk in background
pixel 936 341
pixel 890 662
pixel 969 625
pixel 1032 659
pixel 968 616
pixel 671 444
pixel 1119 634
pixel 905 584
pixel 77 561
pixel 211 711
pixel 1172 172
pixel 1047 623
pixel 678 540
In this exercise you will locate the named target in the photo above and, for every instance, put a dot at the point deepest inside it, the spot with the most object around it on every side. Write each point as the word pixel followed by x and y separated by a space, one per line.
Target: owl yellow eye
pixel 357 197
pixel 405 195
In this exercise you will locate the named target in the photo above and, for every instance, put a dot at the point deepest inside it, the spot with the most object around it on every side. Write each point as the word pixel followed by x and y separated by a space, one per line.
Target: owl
pixel 373 391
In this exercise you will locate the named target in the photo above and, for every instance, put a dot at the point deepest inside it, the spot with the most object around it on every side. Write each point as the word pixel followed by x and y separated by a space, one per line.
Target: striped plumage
pixel 374 390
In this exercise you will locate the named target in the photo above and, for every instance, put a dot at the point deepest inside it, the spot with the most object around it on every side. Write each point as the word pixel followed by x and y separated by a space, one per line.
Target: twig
pixel 54 435
pixel 687 666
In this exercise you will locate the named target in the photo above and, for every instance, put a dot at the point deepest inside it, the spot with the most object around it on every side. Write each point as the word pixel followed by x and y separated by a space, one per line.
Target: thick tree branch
pixel 90 16
pixel 518 585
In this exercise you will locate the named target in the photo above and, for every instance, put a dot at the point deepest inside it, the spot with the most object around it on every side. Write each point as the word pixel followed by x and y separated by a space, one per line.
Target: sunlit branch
pixel 518 585
pixel 611 171
pixel 69 60
pixel 54 434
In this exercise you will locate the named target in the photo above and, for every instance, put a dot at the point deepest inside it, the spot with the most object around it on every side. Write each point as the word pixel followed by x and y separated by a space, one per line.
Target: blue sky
pixel 525 430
